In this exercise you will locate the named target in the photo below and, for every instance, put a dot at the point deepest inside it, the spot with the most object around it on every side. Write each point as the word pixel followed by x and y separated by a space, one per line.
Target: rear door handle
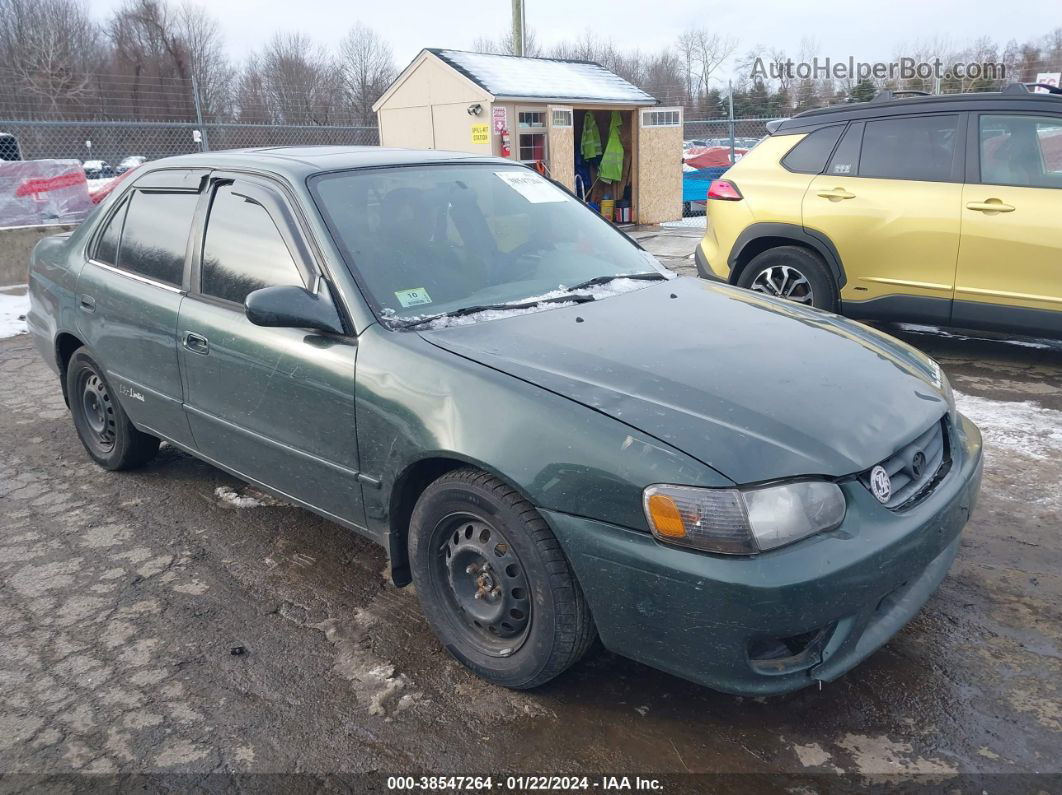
pixel 87 303
pixel 836 194
pixel 990 206
pixel 196 343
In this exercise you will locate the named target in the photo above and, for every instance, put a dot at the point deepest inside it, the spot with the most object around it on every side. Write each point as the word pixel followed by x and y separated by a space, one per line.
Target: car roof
pixel 298 162
pixel 937 103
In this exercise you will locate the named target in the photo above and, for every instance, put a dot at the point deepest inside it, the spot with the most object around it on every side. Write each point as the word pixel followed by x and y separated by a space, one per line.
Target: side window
pixel 845 162
pixel 1021 150
pixel 243 250
pixel 810 155
pixel 107 245
pixel 921 148
pixel 155 236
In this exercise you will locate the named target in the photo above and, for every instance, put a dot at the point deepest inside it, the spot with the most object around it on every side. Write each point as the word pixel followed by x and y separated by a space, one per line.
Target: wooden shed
pixel 534 110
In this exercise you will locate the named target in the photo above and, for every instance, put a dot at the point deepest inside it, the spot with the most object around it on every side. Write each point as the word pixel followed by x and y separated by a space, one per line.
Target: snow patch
pixel 597 292
pixel 1023 427
pixel 245 497
pixel 13 310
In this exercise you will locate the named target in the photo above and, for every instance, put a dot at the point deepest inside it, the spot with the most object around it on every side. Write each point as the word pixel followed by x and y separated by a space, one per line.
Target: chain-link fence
pixel 114 141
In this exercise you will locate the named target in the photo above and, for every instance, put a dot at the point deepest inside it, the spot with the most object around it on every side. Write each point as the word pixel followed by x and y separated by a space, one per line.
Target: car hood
pixel 753 387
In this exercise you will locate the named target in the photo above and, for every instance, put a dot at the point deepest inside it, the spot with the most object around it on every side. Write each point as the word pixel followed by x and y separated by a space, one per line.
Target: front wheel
pixel 103 427
pixel 793 273
pixel 493 581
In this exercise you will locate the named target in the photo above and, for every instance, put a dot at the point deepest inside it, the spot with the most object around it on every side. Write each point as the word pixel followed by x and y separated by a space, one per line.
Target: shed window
pixel 562 117
pixel 531 118
pixel 532 147
pixel 661 118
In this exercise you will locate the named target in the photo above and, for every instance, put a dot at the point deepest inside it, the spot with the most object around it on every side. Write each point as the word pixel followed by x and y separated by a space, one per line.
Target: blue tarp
pixel 695 183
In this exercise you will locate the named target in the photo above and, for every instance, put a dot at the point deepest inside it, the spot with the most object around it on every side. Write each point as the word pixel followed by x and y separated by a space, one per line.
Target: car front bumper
pixel 844 593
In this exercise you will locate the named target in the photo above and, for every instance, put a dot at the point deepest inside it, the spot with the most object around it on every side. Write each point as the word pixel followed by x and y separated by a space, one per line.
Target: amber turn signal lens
pixel 665 516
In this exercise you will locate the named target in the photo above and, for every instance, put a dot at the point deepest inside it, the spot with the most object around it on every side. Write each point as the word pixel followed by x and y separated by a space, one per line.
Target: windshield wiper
pixel 647 277
pixel 472 310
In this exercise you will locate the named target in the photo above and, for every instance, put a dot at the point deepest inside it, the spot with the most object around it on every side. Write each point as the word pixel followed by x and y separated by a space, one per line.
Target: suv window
pixel 155 236
pixel 107 245
pixel 810 155
pixel 243 250
pixel 1021 150
pixel 846 159
pixel 921 148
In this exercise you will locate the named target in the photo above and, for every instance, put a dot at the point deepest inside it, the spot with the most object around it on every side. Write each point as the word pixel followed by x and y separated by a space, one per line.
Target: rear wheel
pixel 103 427
pixel 793 273
pixel 493 581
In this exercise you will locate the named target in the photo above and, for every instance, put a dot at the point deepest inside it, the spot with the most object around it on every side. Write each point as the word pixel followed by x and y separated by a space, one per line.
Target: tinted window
pixel 915 149
pixel 846 159
pixel 156 235
pixel 243 250
pixel 810 155
pixel 1021 150
pixel 107 246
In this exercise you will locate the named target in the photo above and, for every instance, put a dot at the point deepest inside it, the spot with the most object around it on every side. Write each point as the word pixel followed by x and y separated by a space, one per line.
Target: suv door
pixel 274 405
pixel 1010 260
pixel 129 294
pixel 889 202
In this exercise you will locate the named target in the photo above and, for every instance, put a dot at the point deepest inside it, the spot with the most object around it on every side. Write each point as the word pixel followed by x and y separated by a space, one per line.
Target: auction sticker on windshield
pixel 531 186
pixel 413 297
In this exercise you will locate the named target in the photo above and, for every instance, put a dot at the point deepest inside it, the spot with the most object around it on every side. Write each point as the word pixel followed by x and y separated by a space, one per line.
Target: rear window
pixel 107 245
pixel 921 148
pixel 155 237
pixel 810 155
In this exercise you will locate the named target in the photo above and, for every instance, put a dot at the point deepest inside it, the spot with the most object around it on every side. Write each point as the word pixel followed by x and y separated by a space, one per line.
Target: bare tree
pixel 48 52
pixel 302 82
pixel 368 68
pixel 503 45
pixel 208 61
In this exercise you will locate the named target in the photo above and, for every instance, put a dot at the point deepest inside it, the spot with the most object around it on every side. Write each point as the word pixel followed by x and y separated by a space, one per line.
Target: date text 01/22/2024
pixel 522 783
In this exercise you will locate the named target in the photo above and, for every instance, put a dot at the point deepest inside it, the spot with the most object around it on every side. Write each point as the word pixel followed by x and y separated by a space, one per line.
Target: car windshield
pixel 432 240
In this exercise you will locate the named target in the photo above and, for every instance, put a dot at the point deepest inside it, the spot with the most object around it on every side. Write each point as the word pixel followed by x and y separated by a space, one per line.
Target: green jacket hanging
pixel 611 168
pixel 591 144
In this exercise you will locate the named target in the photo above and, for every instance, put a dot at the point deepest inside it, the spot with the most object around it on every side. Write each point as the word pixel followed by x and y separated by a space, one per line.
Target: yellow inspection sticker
pixel 481 133
pixel 414 297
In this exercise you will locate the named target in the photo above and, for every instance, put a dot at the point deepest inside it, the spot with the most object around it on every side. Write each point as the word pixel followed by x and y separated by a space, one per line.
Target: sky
pixel 840 28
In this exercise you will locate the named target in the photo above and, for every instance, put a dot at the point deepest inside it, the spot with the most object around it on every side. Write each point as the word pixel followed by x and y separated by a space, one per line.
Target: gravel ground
pixel 173 620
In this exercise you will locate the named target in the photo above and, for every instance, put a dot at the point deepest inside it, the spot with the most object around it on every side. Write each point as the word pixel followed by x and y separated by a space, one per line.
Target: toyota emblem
pixel 918 464
pixel 880 484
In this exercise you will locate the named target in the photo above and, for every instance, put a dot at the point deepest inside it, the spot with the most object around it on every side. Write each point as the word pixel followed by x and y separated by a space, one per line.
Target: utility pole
pixel 518 27
pixel 733 129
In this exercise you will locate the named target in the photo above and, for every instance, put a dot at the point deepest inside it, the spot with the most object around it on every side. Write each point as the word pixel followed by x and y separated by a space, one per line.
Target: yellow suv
pixel 932 209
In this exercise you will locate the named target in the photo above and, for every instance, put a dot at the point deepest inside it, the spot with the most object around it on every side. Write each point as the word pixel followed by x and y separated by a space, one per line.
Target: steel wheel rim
pixel 784 281
pixel 97 408
pixel 484 583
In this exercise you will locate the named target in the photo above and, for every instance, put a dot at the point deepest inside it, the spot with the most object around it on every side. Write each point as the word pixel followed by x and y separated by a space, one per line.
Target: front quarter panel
pixel 417 401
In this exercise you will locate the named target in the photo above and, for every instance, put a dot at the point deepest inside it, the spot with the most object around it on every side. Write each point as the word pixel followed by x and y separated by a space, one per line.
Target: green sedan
pixel 553 437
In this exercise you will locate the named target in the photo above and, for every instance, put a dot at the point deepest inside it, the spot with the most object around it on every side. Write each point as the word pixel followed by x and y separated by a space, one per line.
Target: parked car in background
pixel 9 149
pixel 97 169
pixel 129 163
pixel 935 209
pixel 435 350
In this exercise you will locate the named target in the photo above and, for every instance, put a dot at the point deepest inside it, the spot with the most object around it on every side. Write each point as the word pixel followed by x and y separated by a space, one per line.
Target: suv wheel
pixel 103 427
pixel 792 273
pixel 493 581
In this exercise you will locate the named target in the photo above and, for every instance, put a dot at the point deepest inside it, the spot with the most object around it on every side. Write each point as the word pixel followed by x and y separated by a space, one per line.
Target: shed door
pixel 561 145
pixel 659 165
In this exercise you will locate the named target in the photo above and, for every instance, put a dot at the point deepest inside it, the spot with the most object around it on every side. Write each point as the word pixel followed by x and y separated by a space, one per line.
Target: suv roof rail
pixel 891 94
pixel 1046 86
pixel 773 125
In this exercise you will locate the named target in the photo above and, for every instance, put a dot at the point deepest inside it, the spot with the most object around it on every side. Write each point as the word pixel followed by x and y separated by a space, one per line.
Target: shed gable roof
pixel 513 77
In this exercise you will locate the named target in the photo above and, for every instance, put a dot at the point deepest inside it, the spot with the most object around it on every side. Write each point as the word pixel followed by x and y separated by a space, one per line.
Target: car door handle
pixel 836 194
pixel 87 303
pixel 990 206
pixel 196 343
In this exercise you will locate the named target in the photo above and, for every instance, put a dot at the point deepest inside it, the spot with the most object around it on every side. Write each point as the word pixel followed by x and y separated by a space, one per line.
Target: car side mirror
pixel 287 306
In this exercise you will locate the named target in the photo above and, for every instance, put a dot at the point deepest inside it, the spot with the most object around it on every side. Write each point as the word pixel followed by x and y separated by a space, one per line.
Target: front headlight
pixel 743 521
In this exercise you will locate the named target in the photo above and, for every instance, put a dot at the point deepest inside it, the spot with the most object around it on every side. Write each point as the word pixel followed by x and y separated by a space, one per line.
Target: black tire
pixel 794 273
pixel 103 427
pixel 470 533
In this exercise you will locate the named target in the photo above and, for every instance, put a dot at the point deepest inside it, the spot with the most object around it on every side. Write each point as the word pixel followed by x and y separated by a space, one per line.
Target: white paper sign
pixel 531 186
pixel 1048 78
